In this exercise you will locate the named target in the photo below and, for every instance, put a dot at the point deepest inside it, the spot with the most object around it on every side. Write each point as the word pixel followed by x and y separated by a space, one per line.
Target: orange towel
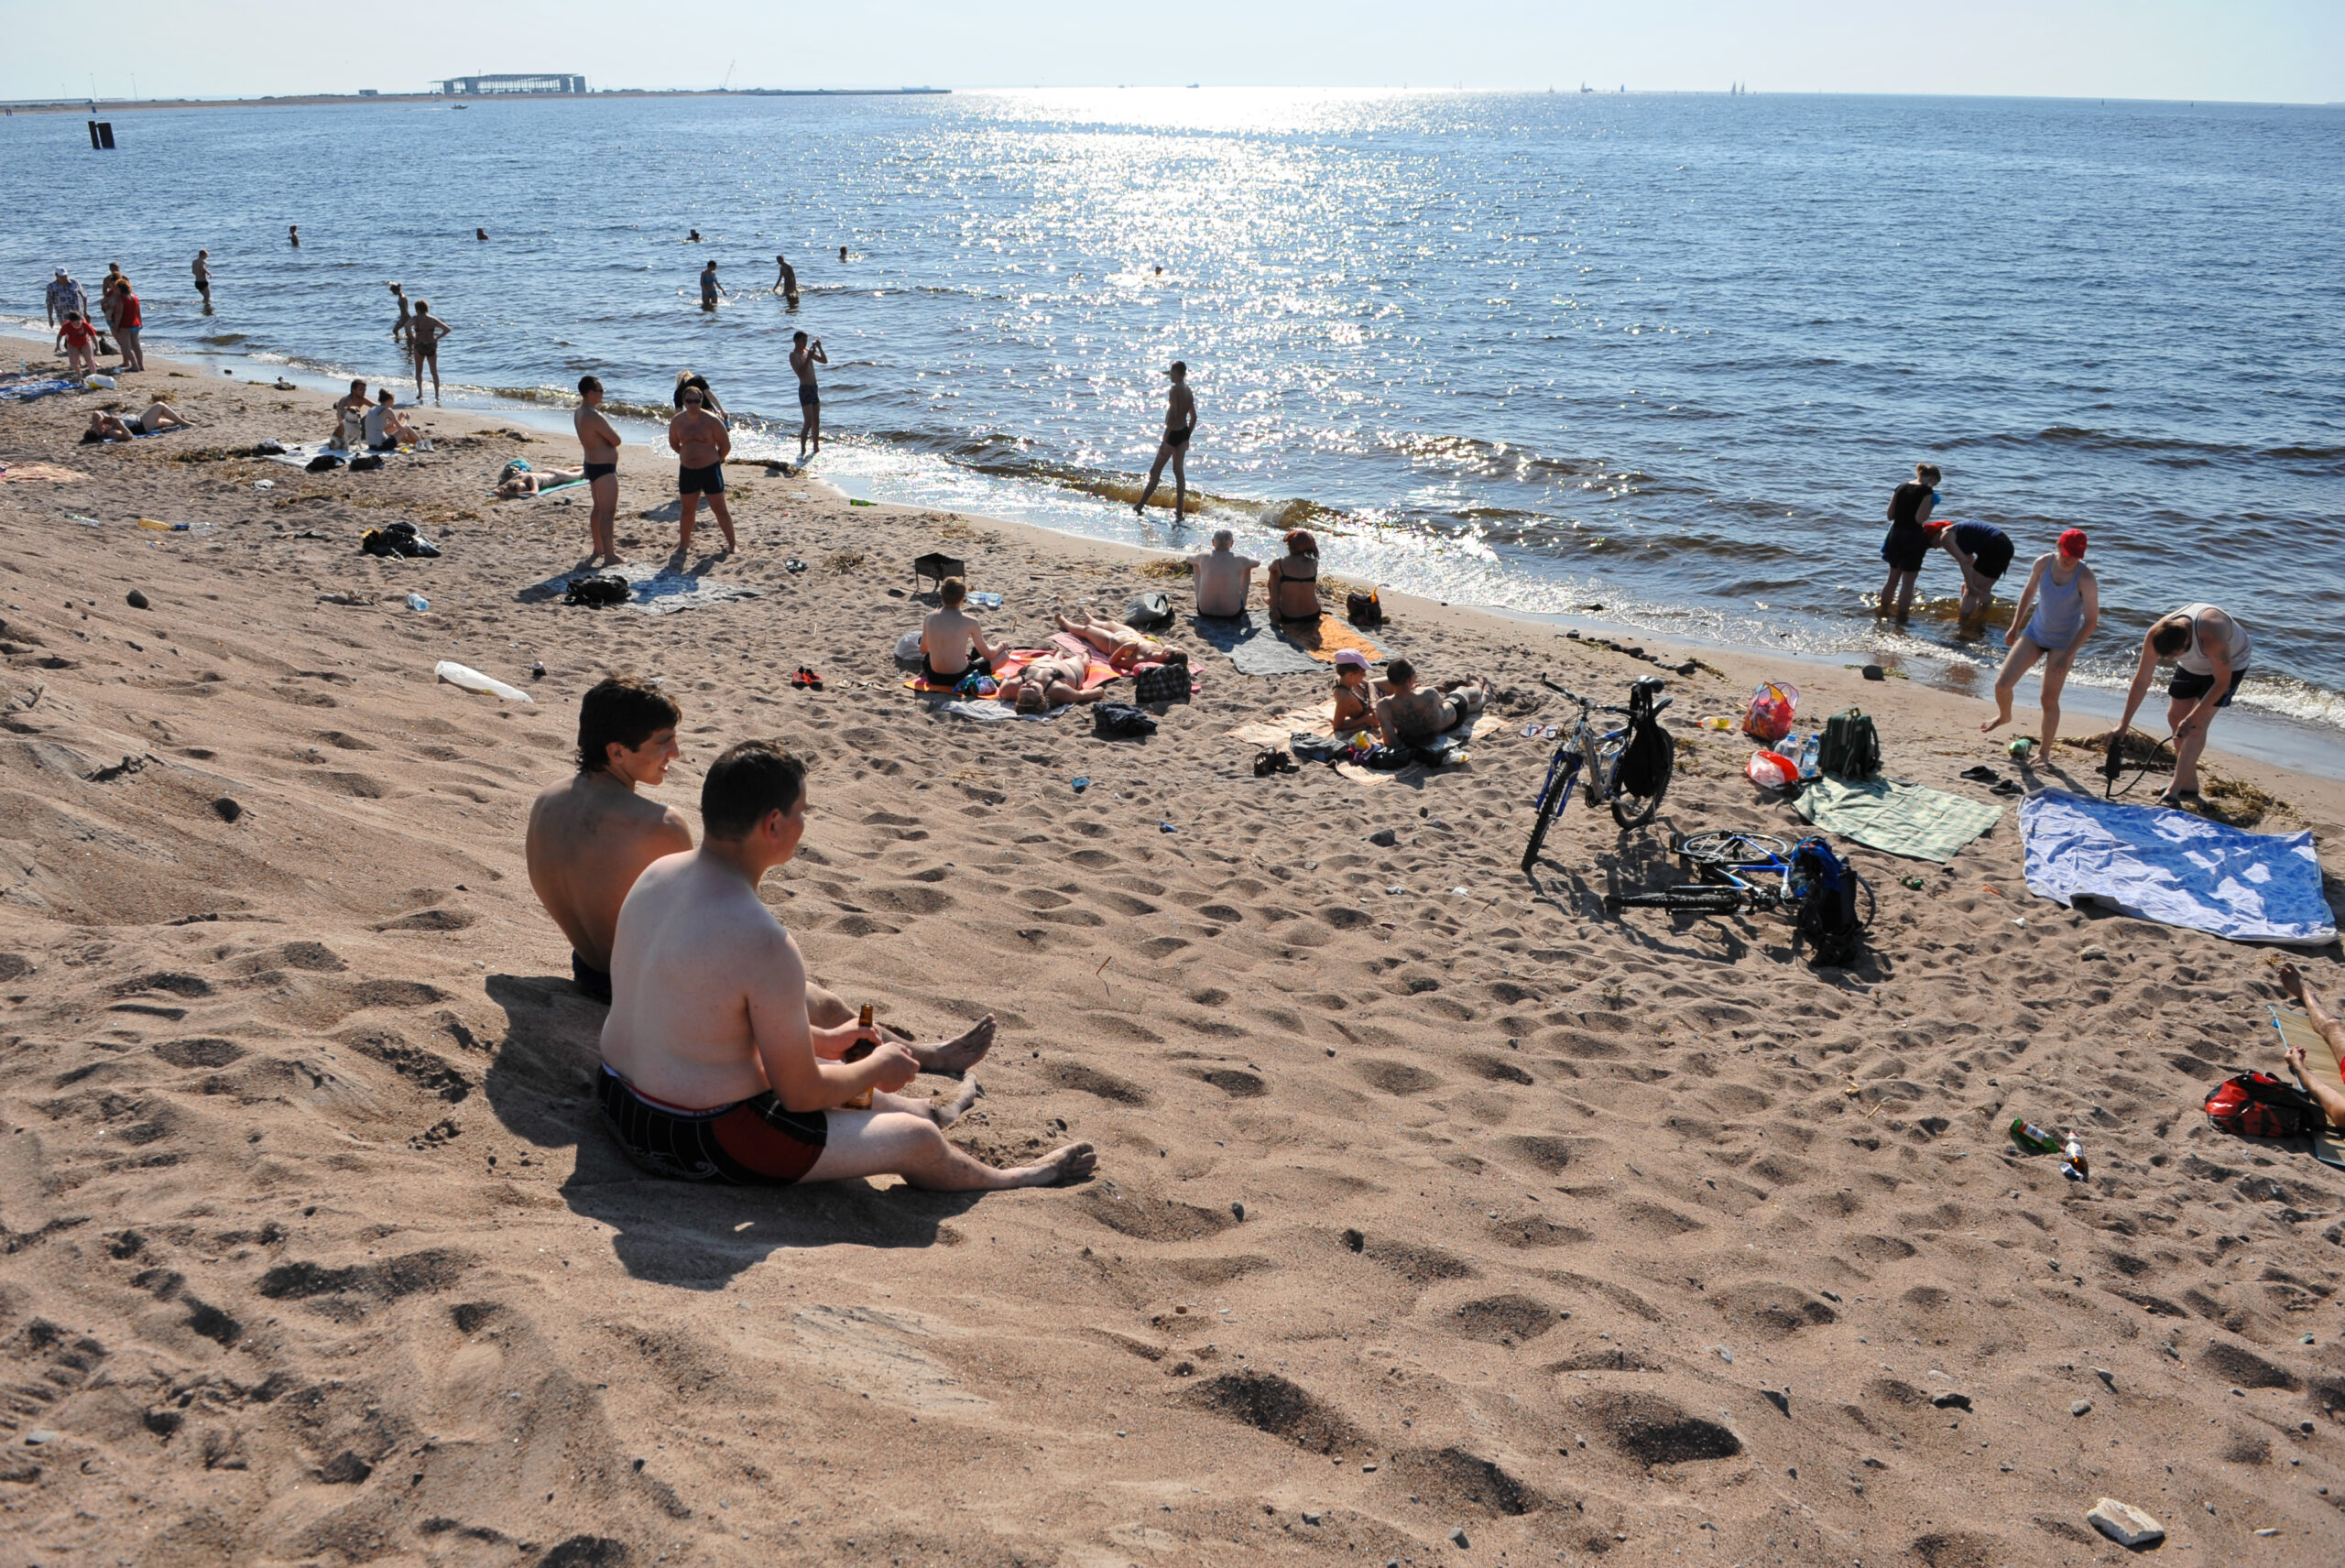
pixel 1326 639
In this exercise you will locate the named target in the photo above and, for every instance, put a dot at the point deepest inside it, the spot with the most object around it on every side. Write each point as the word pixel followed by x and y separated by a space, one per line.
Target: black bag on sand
pixel 1314 747
pixel 1168 683
pixel 1647 761
pixel 1147 611
pixel 366 464
pixel 596 589
pixel 320 463
pixel 1121 720
pixel 1851 747
pixel 1826 886
pixel 1364 609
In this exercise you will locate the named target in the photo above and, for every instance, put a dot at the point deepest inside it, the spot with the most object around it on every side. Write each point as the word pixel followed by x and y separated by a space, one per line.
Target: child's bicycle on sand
pixel 1630 766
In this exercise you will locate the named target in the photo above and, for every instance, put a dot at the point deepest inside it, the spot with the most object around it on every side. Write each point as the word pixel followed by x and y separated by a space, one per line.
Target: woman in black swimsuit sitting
pixel 1295 580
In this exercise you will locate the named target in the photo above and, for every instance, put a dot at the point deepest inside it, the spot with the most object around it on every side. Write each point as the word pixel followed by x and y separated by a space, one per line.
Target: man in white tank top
pixel 2212 652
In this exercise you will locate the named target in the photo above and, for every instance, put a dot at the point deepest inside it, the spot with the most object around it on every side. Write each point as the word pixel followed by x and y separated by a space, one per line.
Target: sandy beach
pixel 1440 1216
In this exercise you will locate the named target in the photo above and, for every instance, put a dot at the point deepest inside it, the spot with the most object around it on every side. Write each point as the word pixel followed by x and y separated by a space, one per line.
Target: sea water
pixel 1655 360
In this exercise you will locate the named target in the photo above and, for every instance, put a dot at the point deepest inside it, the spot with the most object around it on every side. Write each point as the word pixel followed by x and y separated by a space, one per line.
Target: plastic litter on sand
pixel 418 602
pixel 466 677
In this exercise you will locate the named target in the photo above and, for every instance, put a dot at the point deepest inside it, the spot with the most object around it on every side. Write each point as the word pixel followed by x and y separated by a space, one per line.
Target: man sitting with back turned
pixel 591 836
pixel 709 1072
pixel 1223 576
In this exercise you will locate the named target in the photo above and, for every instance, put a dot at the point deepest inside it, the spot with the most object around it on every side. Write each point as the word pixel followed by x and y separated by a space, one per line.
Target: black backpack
pixel 1647 762
pixel 1168 683
pixel 1851 747
pixel 1825 887
pixel 598 589
pixel 1121 720
pixel 1147 612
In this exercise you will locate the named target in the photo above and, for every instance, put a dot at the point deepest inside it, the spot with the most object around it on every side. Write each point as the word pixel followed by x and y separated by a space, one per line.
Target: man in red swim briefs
pixel 709 1071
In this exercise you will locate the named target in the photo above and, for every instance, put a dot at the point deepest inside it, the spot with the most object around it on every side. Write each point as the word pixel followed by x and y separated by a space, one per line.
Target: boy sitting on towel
pixel 951 640
pixel 709 1071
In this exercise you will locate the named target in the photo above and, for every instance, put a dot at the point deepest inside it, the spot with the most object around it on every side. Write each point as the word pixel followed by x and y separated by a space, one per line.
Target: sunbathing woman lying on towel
pixel 1047 683
pixel 1122 646
pixel 2328 1095
pixel 520 480
pixel 157 416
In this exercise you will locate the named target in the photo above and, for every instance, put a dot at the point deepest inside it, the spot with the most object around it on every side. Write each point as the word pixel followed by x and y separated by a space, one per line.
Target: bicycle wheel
pixel 1699 899
pixel 1708 854
pixel 1551 804
pixel 1634 811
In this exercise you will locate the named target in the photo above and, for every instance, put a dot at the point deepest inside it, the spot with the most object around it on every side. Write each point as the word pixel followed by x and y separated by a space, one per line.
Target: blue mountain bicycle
pixel 1629 767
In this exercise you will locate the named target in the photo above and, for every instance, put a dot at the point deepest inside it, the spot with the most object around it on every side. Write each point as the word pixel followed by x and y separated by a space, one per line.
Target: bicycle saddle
pixel 1648 685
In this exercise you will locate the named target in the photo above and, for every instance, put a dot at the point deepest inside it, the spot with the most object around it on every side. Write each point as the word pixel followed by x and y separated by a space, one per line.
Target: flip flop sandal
pixel 2007 787
pixel 1983 773
pixel 793 564
pixel 813 680
pixel 799 677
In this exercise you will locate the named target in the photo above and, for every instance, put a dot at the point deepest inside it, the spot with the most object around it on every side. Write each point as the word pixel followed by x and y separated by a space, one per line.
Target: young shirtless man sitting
pixel 950 641
pixel 1415 718
pixel 709 1070
pixel 591 836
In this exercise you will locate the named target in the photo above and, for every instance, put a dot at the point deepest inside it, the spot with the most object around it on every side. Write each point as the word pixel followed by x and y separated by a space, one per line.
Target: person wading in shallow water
pixel 1180 424
pixel 1907 545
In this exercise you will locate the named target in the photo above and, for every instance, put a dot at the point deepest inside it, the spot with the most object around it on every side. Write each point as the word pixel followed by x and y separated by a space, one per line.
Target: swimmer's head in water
pixel 624 710
pixel 747 786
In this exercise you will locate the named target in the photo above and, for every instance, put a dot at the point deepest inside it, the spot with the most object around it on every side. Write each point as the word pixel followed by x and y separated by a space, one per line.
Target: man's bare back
pixel 589 838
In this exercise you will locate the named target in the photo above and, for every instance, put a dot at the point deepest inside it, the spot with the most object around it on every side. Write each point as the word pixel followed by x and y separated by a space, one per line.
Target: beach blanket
pixel 1276 730
pixel 659 590
pixel 2296 1030
pixel 26 391
pixel 2176 868
pixel 992 711
pixel 1252 643
pixel 1897 819
pixel 18 472
pixel 1324 641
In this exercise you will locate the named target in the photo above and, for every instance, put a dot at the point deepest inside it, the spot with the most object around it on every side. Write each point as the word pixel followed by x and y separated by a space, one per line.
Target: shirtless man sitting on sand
pixel 591 836
pixel 1123 646
pixel 951 640
pixel 1415 718
pixel 1048 682
pixel 709 1070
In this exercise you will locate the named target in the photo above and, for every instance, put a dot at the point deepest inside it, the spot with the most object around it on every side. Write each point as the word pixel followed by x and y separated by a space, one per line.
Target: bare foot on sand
pixel 944 1113
pixel 955 1056
pixel 2002 716
pixel 1072 1163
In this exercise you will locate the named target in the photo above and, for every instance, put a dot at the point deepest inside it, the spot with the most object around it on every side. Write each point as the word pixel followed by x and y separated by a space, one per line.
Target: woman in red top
pixel 126 323
pixel 80 340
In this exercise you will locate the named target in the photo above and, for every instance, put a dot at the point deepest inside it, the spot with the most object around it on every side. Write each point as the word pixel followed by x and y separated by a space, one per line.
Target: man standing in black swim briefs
pixel 700 443
pixel 709 1070
pixel 598 445
pixel 785 281
pixel 804 355
pixel 1180 424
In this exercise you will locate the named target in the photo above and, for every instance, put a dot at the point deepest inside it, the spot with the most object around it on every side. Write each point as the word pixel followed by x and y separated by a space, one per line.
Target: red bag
pixel 1768 719
pixel 2256 1105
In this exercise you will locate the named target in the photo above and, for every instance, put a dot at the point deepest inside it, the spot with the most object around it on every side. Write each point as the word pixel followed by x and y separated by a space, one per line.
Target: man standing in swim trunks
pixel 708 285
pixel 1180 424
pixel 700 443
pixel 591 836
pixel 785 282
pixel 424 331
pixel 2210 651
pixel 598 445
pixel 804 356
pixel 2057 612
pixel 1907 545
pixel 202 268
pixel 709 1070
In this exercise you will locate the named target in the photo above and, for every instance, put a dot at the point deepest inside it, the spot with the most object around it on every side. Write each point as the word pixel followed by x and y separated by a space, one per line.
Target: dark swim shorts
pixel 1994 559
pixel 2189 687
pixel 600 470
pixel 1907 548
pixel 749 1143
pixel 594 984
pixel 810 396
pixel 709 481
pixel 1176 438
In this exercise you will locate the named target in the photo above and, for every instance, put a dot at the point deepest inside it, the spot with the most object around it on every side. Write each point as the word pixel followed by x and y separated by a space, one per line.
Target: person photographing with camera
pixel 803 357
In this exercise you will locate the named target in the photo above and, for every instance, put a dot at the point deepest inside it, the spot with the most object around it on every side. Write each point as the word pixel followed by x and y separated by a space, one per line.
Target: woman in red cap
pixel 2057 611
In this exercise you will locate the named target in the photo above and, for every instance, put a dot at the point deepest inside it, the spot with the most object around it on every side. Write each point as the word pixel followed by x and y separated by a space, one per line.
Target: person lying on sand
pixel 105 427
pixel 1048 682
pixel 519 482
pixel 2329 1096
pixel 709 1071
pixel 1357 695
pixel 1415 717
pixel 950 640
pixel 1123 646
pixel 591 836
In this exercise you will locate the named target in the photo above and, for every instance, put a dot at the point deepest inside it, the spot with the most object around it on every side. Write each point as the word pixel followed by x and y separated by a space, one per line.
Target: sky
pixel 2258 50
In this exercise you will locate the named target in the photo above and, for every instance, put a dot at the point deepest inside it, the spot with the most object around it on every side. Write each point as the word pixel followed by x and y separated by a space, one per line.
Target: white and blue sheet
pixel 2176 868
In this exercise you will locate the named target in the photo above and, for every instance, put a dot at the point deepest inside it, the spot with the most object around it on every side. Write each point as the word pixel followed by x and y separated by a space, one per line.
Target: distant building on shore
pixel 486 86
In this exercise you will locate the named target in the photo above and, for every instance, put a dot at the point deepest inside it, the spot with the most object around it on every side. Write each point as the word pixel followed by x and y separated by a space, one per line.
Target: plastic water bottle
pixel 1808 757
pixel 418 602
